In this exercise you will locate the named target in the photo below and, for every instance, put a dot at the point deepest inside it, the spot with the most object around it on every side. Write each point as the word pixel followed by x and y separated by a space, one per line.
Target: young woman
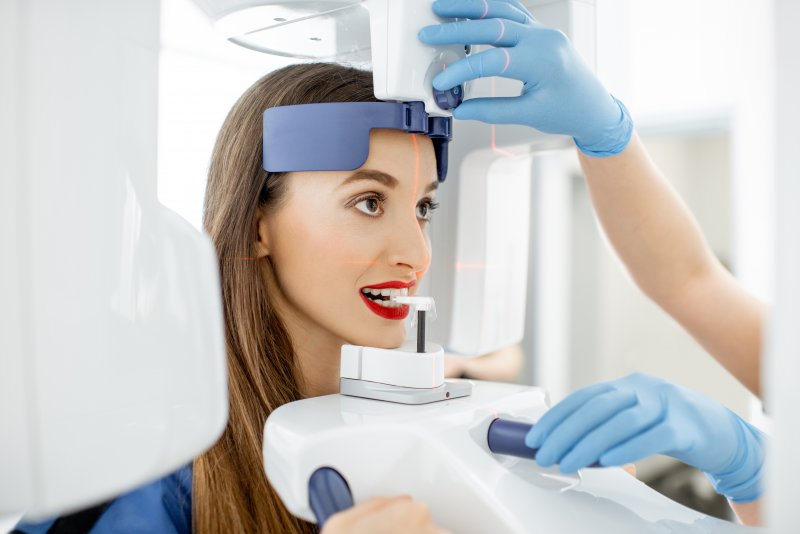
pixel 299 256
pixel 296 253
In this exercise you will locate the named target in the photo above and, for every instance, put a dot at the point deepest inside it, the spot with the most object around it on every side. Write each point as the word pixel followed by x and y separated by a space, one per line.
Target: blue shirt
pixel 163 506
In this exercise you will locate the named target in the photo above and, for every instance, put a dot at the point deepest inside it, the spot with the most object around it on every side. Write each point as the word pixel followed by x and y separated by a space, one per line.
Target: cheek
pixel 328 246
pixel 321 257
pixel 427 243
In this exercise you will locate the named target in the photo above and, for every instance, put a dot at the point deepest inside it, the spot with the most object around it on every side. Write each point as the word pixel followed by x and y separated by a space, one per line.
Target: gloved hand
pixel 625 420
pixel 560 94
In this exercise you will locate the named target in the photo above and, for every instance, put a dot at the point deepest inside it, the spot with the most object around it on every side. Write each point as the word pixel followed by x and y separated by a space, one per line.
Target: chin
pixel 390 339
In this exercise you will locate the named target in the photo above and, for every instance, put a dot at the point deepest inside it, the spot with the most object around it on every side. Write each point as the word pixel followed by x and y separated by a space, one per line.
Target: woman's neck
pixel 317 352
pixel 318 362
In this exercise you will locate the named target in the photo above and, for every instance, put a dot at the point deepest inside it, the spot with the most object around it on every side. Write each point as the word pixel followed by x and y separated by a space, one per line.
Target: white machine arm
pixel 112 361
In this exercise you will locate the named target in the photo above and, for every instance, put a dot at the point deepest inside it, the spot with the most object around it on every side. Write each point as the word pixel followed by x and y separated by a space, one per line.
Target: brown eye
pixel 370 206
pixel 425 209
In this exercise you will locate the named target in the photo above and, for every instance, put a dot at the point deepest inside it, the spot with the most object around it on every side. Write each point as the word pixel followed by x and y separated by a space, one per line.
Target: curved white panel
pixel 112 332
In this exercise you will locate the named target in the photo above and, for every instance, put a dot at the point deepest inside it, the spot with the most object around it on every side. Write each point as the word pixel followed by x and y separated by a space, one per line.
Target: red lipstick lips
pixel 394 284
pixel 396 313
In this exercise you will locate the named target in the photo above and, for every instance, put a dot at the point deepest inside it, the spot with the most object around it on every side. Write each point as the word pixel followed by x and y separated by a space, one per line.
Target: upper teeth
pixel 391 293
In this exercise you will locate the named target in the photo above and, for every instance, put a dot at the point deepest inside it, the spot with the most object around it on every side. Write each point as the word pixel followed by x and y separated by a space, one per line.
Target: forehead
pixel 402 154
pixel 409 160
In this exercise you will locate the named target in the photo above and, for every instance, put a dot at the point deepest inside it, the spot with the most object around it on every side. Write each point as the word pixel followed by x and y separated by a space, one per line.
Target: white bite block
pixel 396 367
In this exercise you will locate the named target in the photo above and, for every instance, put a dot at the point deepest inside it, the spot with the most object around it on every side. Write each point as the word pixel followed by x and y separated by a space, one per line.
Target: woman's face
pixel 342 242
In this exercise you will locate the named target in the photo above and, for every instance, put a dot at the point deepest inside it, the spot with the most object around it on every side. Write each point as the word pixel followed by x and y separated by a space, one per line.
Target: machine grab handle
pixel 508 437
pixel 328 493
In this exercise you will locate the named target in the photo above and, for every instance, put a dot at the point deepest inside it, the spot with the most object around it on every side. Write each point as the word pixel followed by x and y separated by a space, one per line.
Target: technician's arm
pixel 657 238
pixel 501 365
pixel 649 226
pixel 749 513
pixel 637 416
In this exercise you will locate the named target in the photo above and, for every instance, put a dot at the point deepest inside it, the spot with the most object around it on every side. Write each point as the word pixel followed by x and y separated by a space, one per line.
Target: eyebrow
pixel 386 179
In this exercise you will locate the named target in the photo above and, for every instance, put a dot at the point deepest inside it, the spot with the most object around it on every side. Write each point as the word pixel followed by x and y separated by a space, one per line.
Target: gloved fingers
pixel 656 440
pixel 481 9
pixel 558 413
pixel 492 62
pixel 494 110
pixel 497 32
pixel 561 440
pixel 519 5
pixel 617 430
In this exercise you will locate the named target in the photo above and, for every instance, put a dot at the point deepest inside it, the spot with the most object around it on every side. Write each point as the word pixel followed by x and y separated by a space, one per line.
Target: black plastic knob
pixel 449 99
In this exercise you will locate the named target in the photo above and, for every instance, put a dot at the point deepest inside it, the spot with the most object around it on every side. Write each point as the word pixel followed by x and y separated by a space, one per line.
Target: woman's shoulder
pixel 162 506
pixel 176 491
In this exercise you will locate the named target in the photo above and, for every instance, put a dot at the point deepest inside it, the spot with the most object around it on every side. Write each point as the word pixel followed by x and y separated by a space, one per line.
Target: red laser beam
pixel 417 177
pixel 460 266
pixel 362 262
pixel 494 146
pixel 416 187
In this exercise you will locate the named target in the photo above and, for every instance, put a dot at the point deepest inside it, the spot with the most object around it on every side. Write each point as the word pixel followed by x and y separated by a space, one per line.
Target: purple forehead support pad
pixel 335 136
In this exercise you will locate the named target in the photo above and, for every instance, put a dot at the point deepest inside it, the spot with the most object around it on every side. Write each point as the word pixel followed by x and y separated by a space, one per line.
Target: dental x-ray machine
pixel 397 426
pixel 112 364
pixel 112 358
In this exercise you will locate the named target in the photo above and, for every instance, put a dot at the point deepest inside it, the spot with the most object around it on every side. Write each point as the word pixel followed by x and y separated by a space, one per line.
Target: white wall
pixel 696 78
pixel 681 66
pixel 200 77
pixel 615 328
pixel 671 57
pixel 684 65
pixel 783 363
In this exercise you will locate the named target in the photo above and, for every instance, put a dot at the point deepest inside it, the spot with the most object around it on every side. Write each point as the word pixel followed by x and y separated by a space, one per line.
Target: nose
pixel 409 246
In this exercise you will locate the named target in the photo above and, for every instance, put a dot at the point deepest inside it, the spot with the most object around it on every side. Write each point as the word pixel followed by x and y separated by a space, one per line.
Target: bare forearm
pixel 660 243
pixel 647 223
pixel 748 513
pixel 726 320
pixel 504 364
pixel 501 365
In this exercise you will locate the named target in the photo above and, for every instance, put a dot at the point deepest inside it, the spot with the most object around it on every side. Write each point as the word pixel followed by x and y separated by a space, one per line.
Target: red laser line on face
pixel 362 262
pixel 417 175
pixel 416 167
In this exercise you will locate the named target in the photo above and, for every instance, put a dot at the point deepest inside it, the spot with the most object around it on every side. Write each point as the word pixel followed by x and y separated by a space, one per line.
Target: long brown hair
pixel 230 490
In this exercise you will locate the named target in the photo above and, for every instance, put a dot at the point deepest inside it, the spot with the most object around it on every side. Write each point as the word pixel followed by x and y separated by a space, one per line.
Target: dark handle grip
pixel 328 493
pixel 508 437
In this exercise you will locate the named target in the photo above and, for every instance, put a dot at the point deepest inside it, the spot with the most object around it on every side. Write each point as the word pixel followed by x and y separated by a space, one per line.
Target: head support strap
pixel 335 136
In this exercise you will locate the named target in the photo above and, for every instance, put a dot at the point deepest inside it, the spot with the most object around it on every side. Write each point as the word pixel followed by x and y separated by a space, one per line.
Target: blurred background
pixel 693 74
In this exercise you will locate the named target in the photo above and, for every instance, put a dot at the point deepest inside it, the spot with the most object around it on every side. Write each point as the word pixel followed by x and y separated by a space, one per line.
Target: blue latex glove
pixel 560 94
pixel 625 420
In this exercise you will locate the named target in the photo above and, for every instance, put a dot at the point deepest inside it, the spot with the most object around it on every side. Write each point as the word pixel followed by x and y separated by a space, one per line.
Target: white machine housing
pixel 371 33
pixel 112 359
pixel 111 344
pixel 398 367
pixel 479 278
pixel 438 454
